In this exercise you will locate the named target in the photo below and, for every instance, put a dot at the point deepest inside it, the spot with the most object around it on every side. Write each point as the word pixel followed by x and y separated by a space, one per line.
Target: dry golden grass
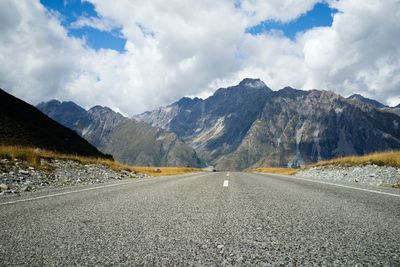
pixel 162 171
pixel 387 158
pixel 33 156
pixel 285 171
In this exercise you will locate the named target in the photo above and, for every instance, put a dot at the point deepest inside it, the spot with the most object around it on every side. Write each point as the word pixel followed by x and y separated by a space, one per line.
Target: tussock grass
pixel 387 158
pixel 285 171
pixel 33 156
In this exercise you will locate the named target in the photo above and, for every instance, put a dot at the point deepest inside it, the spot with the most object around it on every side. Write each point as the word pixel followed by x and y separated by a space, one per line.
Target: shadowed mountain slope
pixel 129 141
pixel 23 125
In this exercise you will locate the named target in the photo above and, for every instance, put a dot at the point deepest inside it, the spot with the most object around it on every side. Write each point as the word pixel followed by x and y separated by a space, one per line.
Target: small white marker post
pixel 226 183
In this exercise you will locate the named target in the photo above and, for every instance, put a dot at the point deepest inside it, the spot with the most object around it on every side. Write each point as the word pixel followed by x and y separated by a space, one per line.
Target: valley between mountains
pixel 242 126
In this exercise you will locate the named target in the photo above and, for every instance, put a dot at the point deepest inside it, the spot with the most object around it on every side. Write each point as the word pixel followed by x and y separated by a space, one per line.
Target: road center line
pixel 226 183
pixel 338 185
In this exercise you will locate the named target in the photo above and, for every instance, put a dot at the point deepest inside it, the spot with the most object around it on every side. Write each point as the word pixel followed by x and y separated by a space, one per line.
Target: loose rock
pixel 3 187
pixel 16 176
pixel 372 175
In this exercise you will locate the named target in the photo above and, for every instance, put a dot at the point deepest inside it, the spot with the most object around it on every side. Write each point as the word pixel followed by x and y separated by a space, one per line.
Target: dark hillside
pixel 23 125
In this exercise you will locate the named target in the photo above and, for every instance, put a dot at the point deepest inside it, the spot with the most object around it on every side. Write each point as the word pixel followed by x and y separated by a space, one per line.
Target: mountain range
pixel 242 126
pixel 128 140
pixel 23 125
pixel 251 125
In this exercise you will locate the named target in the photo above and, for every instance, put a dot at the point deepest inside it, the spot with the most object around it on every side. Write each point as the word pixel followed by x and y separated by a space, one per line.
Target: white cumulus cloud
pixel 359 53
pixel 187 47
pixel 283 11
pixel 37 57
pixel 102 24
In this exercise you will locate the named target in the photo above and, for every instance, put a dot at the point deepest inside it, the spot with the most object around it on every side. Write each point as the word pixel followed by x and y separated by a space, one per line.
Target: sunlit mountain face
pixel 250 125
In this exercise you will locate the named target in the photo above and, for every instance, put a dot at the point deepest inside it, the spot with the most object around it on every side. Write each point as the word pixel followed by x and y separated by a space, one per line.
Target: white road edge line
pixel 338 185
pixel 82 190
pixel 69 192
pixel 226 183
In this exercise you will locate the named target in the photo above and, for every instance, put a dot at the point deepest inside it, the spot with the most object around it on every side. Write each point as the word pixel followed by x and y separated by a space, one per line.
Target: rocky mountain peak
pixel 290 92
pixel 54 102
pixel 67 112
pixel 245 87
pixel 187 101
pixel 100 109
pixel 50 104
pixel 105 113
pixel 250 125
pixel 253 83
pixel 366 100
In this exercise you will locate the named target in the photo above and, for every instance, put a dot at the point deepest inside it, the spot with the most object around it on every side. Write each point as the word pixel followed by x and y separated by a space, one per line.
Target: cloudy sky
pixel 135 55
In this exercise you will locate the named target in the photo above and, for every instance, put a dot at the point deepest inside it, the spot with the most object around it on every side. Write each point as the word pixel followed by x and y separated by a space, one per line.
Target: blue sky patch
pixel 320 15
pixel 71 10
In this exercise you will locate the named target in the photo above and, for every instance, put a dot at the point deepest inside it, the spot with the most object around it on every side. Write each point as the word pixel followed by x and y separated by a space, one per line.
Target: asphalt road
pixel 201 220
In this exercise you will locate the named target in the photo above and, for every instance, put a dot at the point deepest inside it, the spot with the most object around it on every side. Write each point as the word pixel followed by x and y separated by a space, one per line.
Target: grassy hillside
pixel 33 157
pixel 23 125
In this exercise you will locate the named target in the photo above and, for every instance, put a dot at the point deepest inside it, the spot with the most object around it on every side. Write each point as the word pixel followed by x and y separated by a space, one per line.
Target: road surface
pixel 206 219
